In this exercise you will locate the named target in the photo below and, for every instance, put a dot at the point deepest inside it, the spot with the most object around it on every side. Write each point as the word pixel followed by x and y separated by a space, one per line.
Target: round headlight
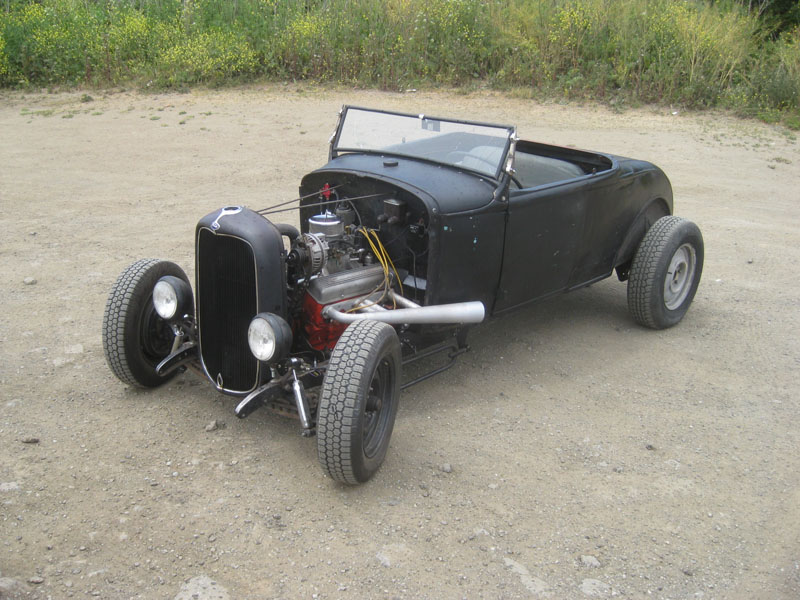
pixel 165 299
pixel 172 297
pixel 261 338
pixel 269 337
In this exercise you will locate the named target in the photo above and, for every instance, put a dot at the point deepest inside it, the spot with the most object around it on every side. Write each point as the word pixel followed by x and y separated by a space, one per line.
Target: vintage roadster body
pixel 415 229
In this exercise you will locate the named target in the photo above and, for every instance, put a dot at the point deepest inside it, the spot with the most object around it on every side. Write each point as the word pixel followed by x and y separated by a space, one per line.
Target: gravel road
pixel 570 454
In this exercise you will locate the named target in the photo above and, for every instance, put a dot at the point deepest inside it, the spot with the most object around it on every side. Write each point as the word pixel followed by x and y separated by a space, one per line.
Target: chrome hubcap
pixel 680 276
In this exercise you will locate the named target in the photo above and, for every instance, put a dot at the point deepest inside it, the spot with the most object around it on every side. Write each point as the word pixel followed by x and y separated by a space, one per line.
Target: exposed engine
pixel 334 262
pixel 364 248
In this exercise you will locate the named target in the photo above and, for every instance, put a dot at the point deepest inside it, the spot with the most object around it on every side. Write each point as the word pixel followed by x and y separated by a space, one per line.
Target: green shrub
pixel 688 52
pixel 778 79
pixel 207 57
pixel 3 57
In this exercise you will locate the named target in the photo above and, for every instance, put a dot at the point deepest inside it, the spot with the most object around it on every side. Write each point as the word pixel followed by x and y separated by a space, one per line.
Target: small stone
pixel 749 261
pixel 688 572
pixel 36 579
pixel 446 468
pixel 383 559
pixel 29 281
pixel 212 426
pixel 212 538
pixel 30 440
pixel 649 447
pixel 493 486
pixel 587 560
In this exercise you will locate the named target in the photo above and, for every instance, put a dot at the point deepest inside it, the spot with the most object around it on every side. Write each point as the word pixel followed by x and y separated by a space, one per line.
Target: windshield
pixel 474 146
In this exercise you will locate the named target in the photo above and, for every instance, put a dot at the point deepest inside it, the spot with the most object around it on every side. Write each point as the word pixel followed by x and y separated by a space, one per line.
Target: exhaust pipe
pixel 462 312
pixel 402 300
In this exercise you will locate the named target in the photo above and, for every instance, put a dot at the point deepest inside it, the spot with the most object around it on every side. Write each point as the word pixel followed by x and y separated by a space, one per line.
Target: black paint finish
pixel 240 272
pixel 515 245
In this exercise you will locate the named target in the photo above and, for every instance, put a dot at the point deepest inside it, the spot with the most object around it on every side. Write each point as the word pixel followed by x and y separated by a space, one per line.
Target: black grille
pixel 226 302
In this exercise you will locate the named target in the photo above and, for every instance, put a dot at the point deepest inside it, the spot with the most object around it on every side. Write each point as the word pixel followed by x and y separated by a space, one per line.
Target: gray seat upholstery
pixel 532 169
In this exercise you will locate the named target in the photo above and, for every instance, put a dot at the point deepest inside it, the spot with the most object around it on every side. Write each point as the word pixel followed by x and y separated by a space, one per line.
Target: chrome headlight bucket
pixel 172 297
pixel 269 337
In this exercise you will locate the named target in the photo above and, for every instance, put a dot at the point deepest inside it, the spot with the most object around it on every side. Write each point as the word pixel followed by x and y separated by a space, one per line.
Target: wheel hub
pixel 680 276
pixel 156 334
pixel 374 415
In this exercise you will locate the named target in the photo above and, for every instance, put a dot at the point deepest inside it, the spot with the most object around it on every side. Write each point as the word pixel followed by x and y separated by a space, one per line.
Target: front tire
pixel 135 338
pixel 665 272
pixel 359 401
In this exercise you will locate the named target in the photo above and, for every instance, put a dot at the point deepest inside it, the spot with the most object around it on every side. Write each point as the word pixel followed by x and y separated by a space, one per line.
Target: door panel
pixel 542 240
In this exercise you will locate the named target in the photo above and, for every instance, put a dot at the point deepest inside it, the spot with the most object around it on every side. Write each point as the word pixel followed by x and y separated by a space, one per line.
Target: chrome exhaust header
pixel 461 312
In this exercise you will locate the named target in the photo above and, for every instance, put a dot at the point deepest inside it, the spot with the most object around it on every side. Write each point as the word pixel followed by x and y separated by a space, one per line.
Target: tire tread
pixel 122 343
pixel 336 420
pixel 114 318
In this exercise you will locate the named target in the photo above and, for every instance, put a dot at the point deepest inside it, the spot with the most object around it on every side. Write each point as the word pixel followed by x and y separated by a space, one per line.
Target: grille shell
pixel 227 300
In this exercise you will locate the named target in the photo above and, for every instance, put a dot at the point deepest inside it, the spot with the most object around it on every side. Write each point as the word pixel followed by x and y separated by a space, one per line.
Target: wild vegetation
pixel 685 52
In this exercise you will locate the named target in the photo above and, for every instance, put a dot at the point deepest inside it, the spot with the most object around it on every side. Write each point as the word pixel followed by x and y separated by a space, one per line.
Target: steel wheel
pixel 680 276
pixel 155 335
pixel 377 413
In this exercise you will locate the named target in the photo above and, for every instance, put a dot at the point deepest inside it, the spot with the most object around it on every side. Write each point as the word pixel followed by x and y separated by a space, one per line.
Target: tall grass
pixel 677 51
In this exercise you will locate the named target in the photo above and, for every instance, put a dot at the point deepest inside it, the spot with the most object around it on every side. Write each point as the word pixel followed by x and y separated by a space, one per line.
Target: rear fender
pixel 651 213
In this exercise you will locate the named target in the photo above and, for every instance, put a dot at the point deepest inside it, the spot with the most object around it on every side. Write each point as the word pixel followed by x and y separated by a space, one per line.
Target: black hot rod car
pixel 416 228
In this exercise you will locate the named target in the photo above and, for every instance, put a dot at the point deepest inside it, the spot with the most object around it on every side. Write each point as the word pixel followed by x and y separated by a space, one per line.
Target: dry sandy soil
pixel 587 457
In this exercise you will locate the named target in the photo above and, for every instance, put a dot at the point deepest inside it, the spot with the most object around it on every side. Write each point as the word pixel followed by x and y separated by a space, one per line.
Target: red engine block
pixel 321 333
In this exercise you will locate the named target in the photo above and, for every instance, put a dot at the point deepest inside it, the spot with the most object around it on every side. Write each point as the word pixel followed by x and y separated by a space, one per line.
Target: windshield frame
pixel 508 134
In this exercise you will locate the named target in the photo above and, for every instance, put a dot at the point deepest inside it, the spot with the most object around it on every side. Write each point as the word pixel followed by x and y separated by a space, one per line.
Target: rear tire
pixel 665 273
pixel 135 338
pixel 359 402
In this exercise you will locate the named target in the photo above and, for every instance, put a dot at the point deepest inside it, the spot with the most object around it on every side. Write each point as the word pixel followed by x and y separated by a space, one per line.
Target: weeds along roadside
pixel 686 53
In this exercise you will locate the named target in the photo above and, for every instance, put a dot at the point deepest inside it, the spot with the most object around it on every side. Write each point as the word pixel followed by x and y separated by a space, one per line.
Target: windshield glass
pixel 473 146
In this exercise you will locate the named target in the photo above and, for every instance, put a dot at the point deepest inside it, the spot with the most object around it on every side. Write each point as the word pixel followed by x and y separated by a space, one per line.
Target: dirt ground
pixel 570 454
